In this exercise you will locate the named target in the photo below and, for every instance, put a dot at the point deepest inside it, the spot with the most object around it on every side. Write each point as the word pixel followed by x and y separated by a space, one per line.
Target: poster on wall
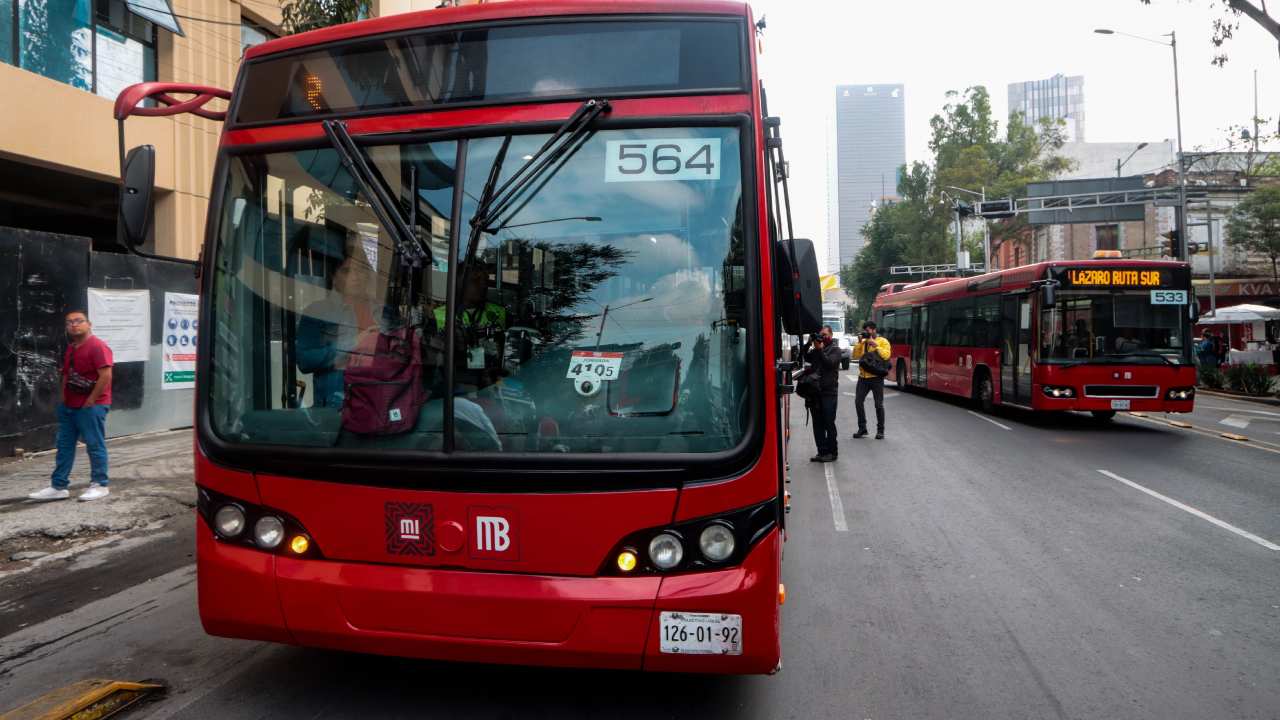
pixel 181 320
pixel 122 319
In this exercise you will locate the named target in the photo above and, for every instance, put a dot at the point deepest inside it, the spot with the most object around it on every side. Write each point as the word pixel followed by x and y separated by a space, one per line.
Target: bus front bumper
pixel 470 616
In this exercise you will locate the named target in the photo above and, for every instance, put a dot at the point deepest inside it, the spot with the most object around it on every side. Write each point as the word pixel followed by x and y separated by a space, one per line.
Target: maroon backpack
pixel 384 387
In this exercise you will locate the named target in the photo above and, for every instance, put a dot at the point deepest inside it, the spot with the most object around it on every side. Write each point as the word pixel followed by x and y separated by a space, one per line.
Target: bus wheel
pixel 901 377
pixel 984 393
pixel 844 363
pixel 1103 415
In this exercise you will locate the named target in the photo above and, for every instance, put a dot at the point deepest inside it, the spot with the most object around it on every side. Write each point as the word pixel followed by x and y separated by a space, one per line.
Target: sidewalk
pixel 151 480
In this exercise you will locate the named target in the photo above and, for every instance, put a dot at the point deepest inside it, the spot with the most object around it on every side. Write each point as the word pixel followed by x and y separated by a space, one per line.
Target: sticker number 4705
pixel 661 160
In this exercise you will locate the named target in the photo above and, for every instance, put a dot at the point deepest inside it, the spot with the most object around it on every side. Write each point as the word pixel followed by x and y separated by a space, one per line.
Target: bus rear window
pixel 512 63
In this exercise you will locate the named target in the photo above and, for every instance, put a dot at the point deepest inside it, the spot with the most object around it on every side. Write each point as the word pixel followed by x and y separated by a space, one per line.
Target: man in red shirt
pixel 86 399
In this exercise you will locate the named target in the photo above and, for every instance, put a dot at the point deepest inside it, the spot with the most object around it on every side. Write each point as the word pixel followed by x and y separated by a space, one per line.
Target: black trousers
pixel 824 424
pixel 876 388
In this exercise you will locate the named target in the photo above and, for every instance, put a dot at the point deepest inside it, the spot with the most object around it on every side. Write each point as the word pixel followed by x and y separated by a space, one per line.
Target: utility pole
pixel 1182 167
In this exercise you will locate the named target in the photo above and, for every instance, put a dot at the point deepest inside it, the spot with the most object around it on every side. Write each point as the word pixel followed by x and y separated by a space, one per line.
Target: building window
pixel 252 34
pixel 94 45
pixel 1108 237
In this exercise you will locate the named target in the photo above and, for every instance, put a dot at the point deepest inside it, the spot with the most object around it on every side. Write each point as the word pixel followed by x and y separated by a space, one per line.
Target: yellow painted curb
pixel 1138 414
pixel 1233 436
pixel 1179 423
pixel 84 700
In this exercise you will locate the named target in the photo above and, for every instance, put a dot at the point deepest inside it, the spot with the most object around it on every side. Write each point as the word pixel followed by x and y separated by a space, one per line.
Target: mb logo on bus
pixel 493 533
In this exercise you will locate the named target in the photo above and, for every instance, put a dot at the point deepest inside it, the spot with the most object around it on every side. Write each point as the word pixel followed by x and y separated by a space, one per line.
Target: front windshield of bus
pixel 1113 326
pixel 606 314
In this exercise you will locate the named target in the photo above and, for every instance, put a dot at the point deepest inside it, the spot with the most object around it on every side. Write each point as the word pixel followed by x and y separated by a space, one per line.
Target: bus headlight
pixel 228 522
pixel 666 551
pixel 1059 391
pixel 1186 393
pixel 268 532
pixel 716 542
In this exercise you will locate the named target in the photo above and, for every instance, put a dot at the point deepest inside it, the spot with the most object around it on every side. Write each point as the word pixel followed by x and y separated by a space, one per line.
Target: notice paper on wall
pixel 122 319
pixel 181 318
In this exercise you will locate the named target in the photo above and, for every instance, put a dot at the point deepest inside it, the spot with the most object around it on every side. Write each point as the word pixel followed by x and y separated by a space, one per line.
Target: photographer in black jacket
pixel 824 359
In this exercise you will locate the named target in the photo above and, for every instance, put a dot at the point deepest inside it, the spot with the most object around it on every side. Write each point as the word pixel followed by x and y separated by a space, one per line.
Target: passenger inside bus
pixel 332 329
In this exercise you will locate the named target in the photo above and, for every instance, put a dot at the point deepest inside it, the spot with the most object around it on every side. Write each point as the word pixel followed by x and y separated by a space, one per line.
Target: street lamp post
pixel 986 228
pixel 1177 105
pixel 1121 163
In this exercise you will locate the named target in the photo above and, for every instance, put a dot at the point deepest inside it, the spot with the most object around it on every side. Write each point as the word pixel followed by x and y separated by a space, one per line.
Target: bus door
pixel 919 328
pixel 1015 349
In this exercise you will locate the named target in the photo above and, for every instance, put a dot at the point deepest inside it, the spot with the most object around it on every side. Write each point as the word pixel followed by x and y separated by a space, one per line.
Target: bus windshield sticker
pixel 662 160
pixel 604 365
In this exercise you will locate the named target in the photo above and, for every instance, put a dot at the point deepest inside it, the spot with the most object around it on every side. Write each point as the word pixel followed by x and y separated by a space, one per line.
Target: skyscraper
pixel 870 150
pixel 1060 97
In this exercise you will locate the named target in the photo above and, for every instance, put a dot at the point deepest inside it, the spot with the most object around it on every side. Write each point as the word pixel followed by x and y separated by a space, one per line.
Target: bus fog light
pixel 1180 394
pixel 627 560
pixel 716 542
pixel 268 532
pixel 1059 391
pixel 229 521
pixel 666 551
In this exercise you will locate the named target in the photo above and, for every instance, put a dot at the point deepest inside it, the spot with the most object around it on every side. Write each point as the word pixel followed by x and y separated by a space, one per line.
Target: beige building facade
pixel 61 63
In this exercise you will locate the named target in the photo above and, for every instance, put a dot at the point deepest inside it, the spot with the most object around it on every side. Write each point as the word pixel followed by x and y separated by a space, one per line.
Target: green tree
pixel 1228 22
pixel 302 15
pixel 1254 225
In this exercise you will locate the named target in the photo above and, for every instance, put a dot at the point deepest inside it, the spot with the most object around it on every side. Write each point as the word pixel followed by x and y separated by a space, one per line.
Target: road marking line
pixel 1235 421
pixel 1233 436
pixel 1254 443
pixel 1243 410
pixel 1202 515
pixel 1180 424
pixel 993 422
pixel 833 492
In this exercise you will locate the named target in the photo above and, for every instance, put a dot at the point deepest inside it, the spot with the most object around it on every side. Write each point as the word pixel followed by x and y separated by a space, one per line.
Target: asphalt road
pixel 1003 566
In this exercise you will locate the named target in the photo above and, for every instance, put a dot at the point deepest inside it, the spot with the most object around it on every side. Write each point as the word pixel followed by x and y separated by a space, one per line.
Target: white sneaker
pixel 94 492
pixel 48 494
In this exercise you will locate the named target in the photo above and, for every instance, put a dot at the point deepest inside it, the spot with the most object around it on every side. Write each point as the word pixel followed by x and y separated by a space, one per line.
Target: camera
pixel 588 385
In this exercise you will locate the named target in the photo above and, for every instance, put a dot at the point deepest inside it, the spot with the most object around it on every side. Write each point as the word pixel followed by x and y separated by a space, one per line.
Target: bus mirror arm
pixel 137 166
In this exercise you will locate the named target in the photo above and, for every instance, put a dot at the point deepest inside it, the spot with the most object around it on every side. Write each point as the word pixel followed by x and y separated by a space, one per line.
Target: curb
pixel 1274 402
pixel 118 440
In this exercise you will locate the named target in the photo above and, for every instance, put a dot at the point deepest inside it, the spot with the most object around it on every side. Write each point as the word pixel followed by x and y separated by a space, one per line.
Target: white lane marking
pixel 833 492
pixel 852 378
pixel 1202 515
pixel 1241 410
pixel 1236 421
pixel 887 395
pixel 984 417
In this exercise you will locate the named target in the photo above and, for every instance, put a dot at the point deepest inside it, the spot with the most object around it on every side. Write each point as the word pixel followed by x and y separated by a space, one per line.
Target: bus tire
pixel 984 392
pixel 901 377
pixel 1103 415
pixel 844 363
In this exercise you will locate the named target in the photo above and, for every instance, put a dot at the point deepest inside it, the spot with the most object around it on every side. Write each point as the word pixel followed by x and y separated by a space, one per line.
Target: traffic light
pixel 1170 247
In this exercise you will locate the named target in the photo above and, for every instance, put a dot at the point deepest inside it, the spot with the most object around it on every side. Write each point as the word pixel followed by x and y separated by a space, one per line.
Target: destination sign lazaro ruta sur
pixel 1115 277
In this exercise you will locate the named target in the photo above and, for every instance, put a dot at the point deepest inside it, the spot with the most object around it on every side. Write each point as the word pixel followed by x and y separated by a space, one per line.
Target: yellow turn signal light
pixel 299 544
pixel 627 560
pixel 782 594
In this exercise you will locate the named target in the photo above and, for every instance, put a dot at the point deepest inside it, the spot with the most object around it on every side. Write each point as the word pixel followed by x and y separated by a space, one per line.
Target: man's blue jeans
pixel 88 424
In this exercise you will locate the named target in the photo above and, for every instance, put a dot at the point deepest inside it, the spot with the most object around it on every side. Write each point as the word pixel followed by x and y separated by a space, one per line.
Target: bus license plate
pixel 1119 404
pixel 700 633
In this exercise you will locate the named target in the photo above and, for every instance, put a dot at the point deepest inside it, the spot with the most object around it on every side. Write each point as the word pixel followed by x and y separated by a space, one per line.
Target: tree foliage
pixel 970 151
pixel 302 15
pixel 1254 225
pixel 1227 22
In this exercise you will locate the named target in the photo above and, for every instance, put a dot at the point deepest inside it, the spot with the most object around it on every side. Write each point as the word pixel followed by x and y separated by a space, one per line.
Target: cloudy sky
pixel 933 46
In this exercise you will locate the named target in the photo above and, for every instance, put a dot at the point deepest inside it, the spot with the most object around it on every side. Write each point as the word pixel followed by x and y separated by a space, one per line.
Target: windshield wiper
pixel 374 187
pixel 495 200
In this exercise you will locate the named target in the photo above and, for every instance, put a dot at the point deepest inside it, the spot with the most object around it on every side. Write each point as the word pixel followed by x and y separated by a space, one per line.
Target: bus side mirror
pixel 798 291
pixel 1194 309
pixel 136 184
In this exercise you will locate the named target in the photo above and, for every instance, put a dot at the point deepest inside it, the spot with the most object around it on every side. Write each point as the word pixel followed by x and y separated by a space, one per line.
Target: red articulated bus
pixel 489 370
pixel 1099 335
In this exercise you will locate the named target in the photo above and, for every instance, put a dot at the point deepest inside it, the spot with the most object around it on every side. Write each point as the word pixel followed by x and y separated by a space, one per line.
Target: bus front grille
pixel 1121 391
